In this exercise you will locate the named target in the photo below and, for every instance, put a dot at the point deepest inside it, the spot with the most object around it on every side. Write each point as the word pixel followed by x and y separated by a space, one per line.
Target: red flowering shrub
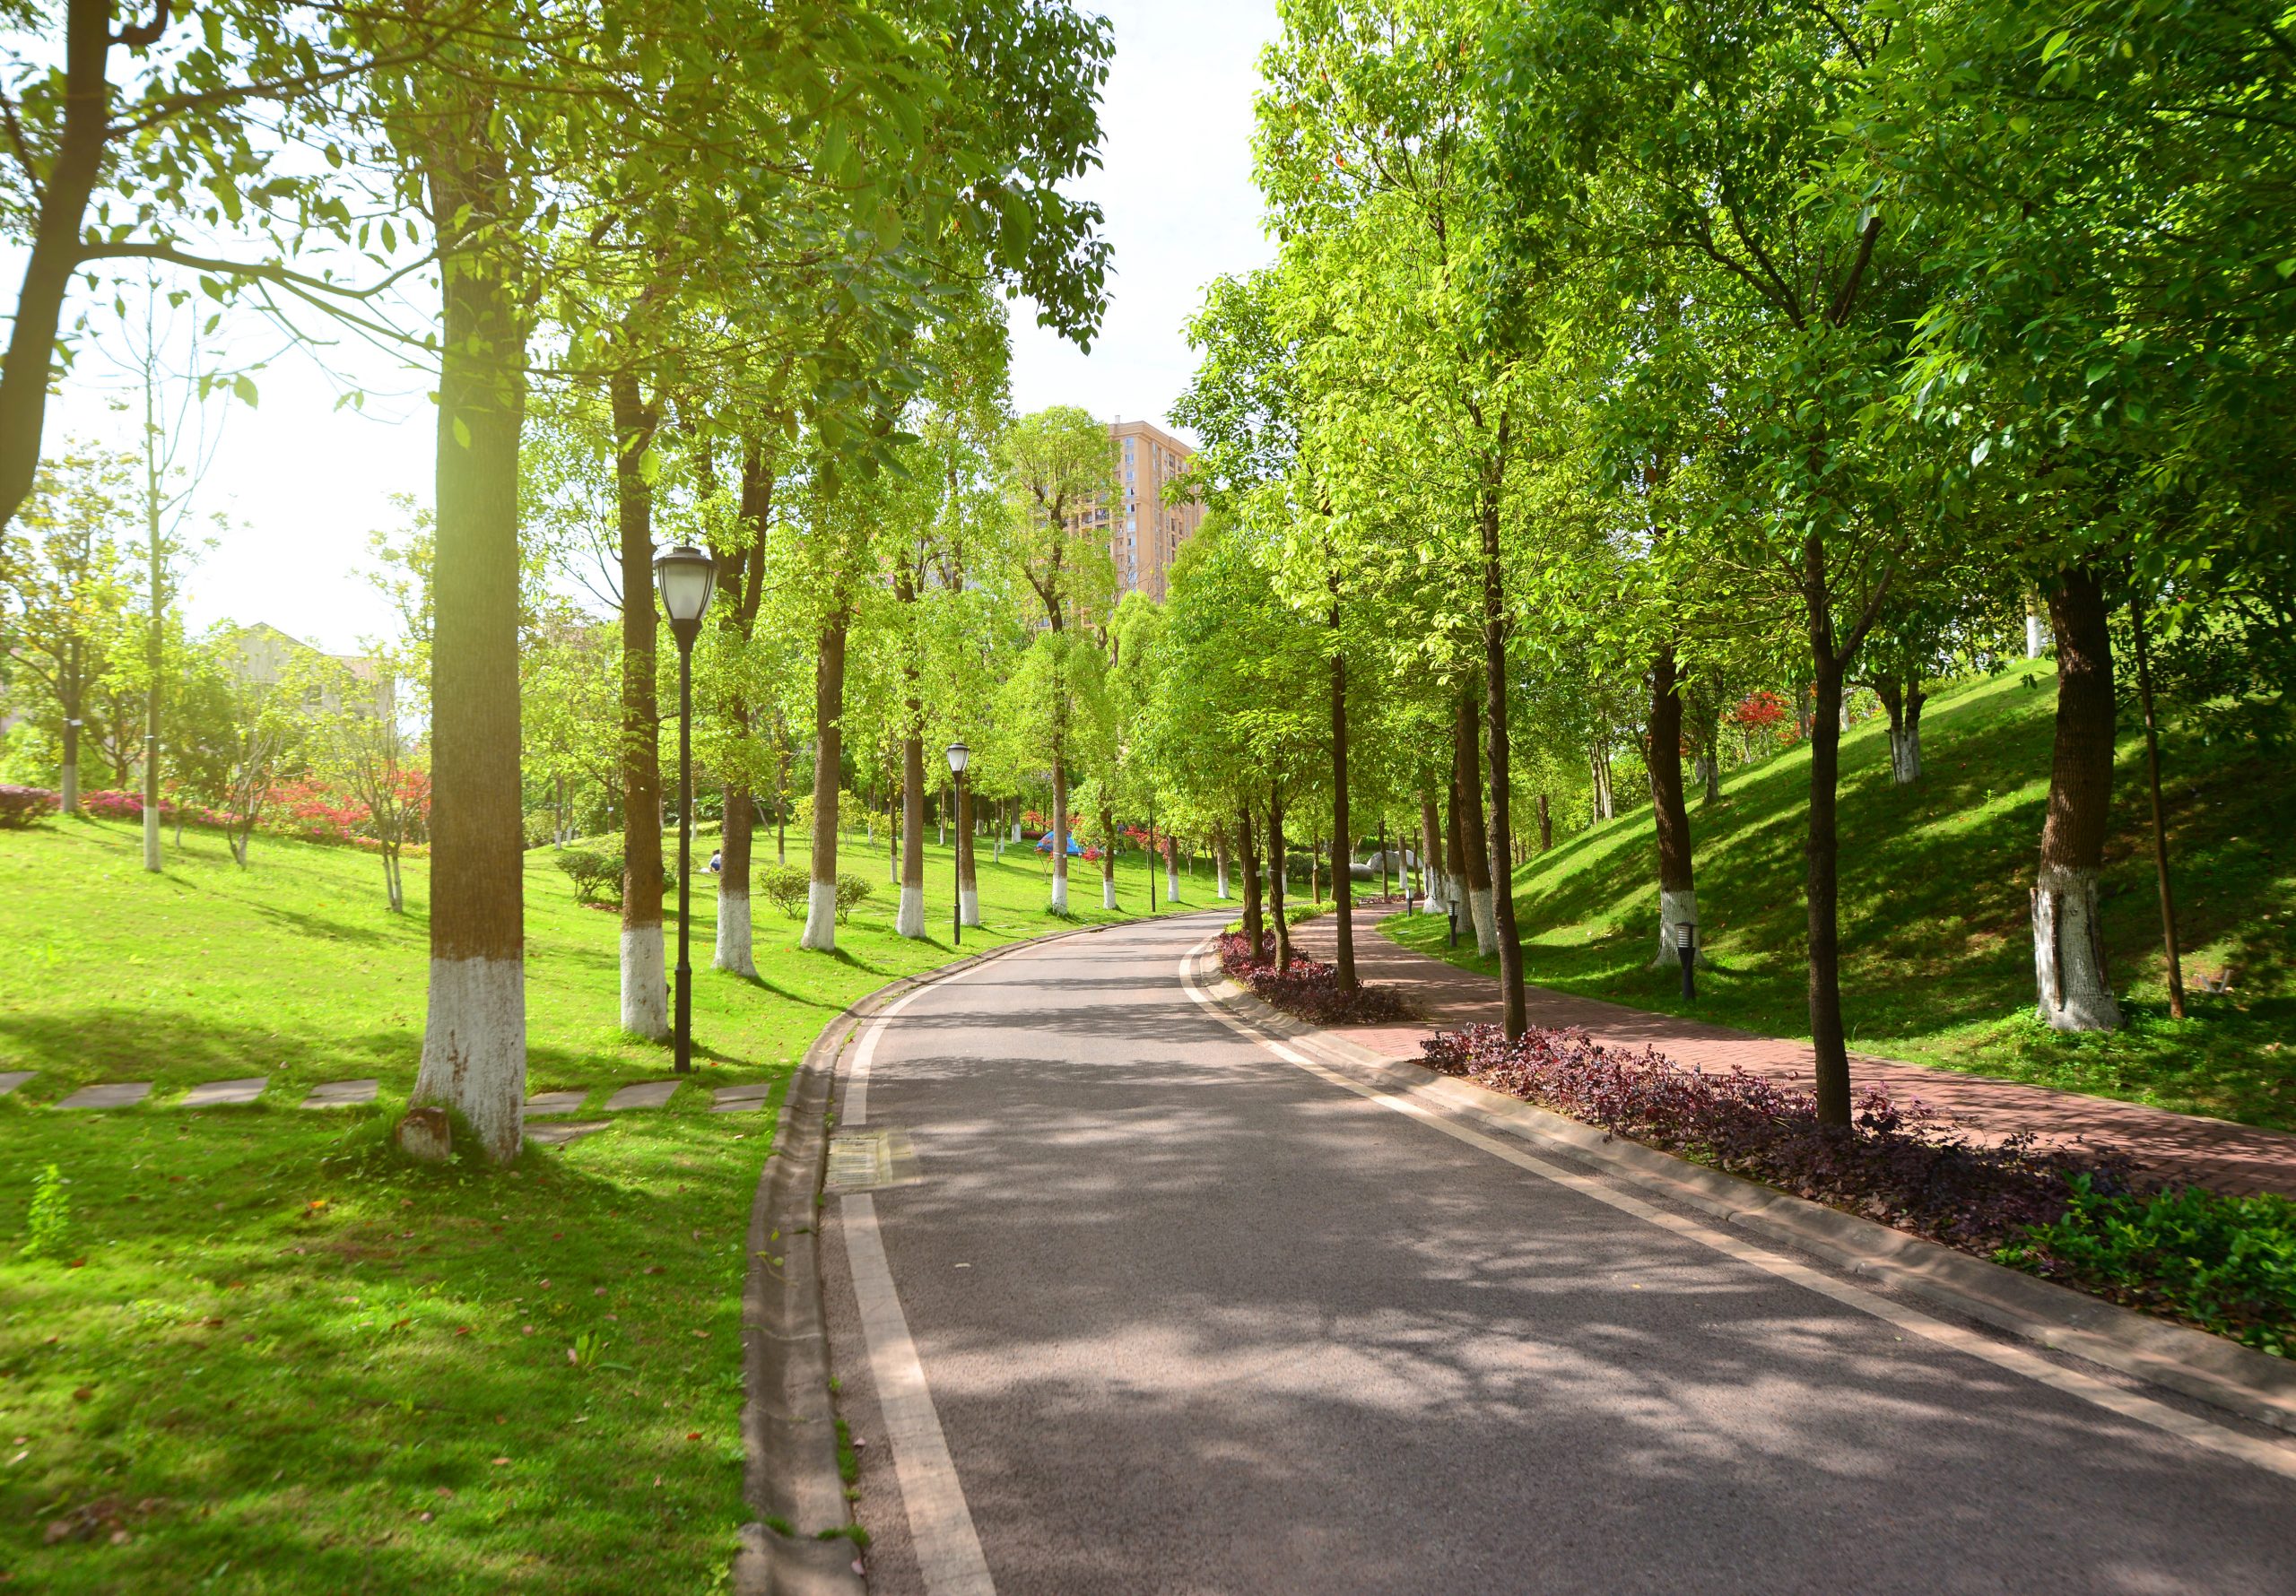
pixel 1901 1165
pixel 315 814
pixel 114 805
pixel 22 808
pixel 1762 711
pixel 1310 990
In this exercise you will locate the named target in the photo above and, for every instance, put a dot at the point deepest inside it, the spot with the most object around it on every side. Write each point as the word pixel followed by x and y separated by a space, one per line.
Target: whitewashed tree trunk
pixel 1220 865
pixel 1437 900
pixel 909 921
pixel 1678 908
pixel 2036 636
pixel 1016 831
pixel 151 836
pixel 474 1035
pixel 820 917
pixel 1484 912
pixel 645 987
pixel 1060 894
pixel 68 789
pixel 969 905
pixel 734 947
pixel 2069 953
pixel 1905 753
pixel 1108 892
pixel 1171 883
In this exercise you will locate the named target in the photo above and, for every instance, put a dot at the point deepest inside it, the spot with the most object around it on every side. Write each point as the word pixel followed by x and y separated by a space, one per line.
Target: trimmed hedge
pixel 22 808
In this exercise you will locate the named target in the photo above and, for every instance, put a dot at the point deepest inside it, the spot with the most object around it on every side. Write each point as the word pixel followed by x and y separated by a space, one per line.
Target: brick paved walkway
pixel 2210 1152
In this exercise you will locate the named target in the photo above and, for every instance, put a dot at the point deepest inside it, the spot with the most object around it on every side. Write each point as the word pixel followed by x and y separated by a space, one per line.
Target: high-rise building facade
pixel 1146 527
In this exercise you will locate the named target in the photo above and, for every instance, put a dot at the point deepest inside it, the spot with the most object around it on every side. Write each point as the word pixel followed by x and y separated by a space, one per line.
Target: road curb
pixel 2194 1363
pixel 789 1417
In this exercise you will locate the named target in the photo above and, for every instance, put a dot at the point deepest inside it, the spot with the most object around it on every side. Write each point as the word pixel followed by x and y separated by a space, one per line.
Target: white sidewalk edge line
pixel 2016 1359
pixel 940 1524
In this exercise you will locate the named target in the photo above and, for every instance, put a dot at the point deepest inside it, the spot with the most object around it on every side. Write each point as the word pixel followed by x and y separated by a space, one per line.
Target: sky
pixel 300 484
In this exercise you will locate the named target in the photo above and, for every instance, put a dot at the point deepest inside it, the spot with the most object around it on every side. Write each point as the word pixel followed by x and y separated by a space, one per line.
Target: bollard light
pixel 1686 950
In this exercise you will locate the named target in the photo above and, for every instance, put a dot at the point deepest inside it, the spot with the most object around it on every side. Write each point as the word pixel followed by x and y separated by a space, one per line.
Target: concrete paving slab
pixel 117 1094
pixel 210 1094
pixel 741 1099
pixel 10 1079
pixel 547 1103
pixel 559 1136
pixel 646 1094
pixel 340 1094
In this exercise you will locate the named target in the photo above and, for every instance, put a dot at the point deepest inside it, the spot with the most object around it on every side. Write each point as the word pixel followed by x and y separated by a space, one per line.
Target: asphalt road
pixel 1193 1319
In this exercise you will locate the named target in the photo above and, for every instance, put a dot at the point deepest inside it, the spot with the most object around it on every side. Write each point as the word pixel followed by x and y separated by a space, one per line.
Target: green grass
pixel 267 1349
pixel 1937 948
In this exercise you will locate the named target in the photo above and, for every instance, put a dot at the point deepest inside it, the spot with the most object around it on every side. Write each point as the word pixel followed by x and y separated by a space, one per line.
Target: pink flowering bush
pixel 1310 990
pixel 115 805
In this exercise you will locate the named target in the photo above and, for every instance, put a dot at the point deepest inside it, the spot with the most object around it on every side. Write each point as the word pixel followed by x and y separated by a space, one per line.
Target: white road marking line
pixel 2175 1421
pixel 940 1523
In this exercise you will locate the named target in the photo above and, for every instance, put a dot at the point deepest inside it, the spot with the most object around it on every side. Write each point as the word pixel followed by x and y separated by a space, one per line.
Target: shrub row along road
pixel 1162 1312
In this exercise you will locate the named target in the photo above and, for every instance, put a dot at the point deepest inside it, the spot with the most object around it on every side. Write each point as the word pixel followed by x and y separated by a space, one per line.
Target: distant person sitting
pixel 716 859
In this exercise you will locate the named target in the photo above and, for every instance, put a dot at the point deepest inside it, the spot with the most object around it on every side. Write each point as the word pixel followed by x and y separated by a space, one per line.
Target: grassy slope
pixel 289 1345
pixel 1937 949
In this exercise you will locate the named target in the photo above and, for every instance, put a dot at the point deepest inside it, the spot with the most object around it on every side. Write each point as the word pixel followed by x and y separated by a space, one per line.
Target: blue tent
pixel 1044 846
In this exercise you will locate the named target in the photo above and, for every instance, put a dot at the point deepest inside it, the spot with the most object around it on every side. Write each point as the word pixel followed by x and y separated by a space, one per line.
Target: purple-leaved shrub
pixel 1310 990
pixel 24 807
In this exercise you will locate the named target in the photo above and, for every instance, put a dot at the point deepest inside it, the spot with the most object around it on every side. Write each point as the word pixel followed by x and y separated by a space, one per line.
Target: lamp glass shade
pixel 686 577
pixel 1683 932
pixel 957 754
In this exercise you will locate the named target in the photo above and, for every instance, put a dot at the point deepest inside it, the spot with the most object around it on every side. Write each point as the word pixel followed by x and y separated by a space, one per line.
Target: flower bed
pixel 1310 990
pixel 2082 1217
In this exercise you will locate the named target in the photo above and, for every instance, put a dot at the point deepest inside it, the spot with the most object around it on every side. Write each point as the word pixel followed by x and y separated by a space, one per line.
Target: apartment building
pixel 1145 529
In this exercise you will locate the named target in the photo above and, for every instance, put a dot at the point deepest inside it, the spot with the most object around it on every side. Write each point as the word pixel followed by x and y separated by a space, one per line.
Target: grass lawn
pixel 1937 930
pixel 274 1358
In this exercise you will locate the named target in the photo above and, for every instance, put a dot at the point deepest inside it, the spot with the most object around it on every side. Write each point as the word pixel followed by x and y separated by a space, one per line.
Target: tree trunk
pixel 69 784
pixel 1108 858
pixel 1059 833
pixel 1903 701
pixel 1494 715
pixel 474 1035
pixel 735 950
pixel 968 880
pixel 2074 991
pixel 1248 850
pixel 1678 892
pixel 645 984
pixel 828 759
pixel 1475 841
pixel 1455 851
pixel 1823 852
pixel 1220 862
pixel 1598 768
pixel 781 805
pixel 1278 869
pixel 1343 879
pixel 1431 856
pixel 63 194
pixel 909 921
pixel 1171 869
pixel 1546 826
pixel 2172 958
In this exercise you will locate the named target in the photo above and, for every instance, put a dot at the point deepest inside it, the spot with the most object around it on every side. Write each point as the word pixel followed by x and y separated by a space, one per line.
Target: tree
pixel 369 755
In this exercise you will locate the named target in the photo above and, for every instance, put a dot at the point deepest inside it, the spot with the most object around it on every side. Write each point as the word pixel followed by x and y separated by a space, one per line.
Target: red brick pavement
pixel 2211 1152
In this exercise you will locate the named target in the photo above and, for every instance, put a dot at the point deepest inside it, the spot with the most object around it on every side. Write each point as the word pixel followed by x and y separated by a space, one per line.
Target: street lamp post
pixel 686 577
pixel 1151 851
pixel 957 754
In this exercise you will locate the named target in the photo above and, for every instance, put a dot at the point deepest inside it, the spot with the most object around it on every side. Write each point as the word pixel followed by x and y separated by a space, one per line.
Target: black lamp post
pixel 1686 950
pixel 1150 850
pixel 957 754
pixel 686 577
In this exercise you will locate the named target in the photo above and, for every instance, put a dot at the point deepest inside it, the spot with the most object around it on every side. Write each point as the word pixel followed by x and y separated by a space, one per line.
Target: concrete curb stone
pixel 2206 1367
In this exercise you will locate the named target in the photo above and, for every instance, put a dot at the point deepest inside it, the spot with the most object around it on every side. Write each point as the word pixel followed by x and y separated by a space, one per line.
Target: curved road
pixel 1160 1311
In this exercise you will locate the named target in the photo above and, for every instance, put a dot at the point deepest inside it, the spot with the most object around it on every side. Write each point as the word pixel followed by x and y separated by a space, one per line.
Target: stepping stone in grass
pixel 741 1099
pixel 647 1094
pixel 542 1103
pixel 11 1078
pixel 118 1094
pixel 207 1094
pixel 340 1094
pixel 559 1136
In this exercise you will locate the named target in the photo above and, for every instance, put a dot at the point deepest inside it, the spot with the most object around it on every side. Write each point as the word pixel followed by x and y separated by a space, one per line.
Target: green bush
pixel 786 886
pixel 2227 1264
pixel 852 892
pixel 597 876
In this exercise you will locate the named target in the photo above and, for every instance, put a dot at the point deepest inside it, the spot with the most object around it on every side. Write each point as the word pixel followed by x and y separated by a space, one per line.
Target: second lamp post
pixel 686 577
pixel 957 754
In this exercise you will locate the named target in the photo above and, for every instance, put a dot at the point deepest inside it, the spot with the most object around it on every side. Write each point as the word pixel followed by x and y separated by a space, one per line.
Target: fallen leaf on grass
pixel 84 1393
pixel 501 1463
pixel 693 1435
pixel 462 1330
